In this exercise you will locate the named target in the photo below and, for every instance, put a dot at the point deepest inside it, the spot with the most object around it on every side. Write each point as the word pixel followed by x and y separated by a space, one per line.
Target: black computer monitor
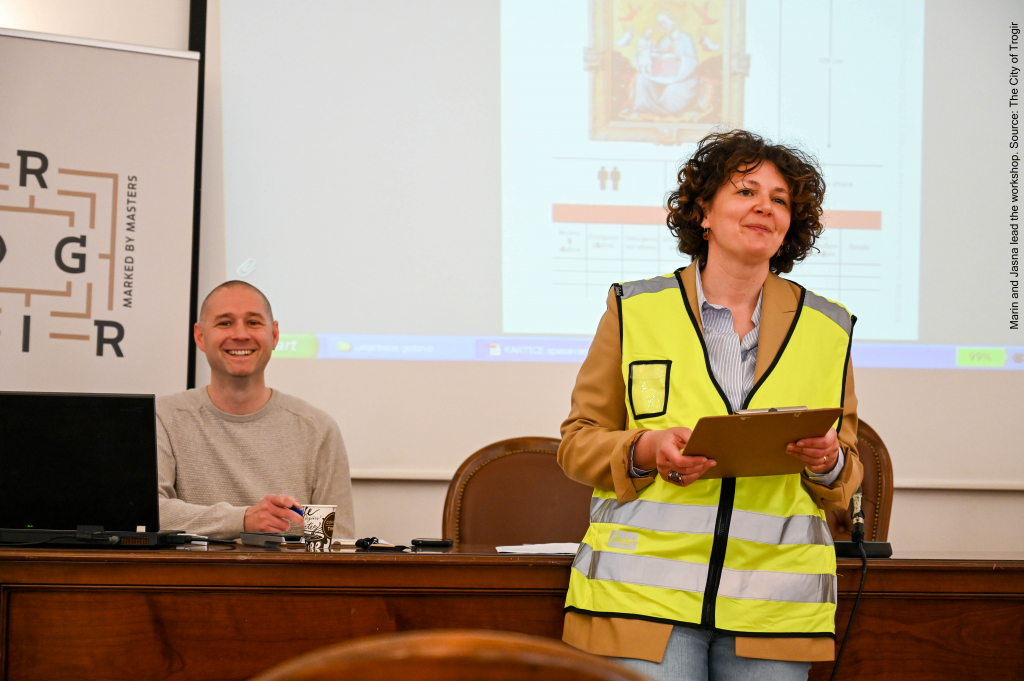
pixel 78 459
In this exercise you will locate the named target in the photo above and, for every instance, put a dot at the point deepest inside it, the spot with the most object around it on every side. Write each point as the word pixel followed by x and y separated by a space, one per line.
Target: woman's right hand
pixel 662 449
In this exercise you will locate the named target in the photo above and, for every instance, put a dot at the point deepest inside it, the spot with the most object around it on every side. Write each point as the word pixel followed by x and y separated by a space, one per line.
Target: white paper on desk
pixel 551 549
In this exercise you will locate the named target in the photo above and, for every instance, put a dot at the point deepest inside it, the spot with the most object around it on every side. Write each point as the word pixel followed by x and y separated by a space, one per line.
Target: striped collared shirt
pixel 732 358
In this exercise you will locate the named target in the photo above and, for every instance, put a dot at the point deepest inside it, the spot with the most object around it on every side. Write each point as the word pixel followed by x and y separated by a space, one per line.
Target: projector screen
pixel 461 182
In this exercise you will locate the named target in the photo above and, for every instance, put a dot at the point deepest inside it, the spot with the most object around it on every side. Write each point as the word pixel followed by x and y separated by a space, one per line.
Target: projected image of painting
pixel 665 71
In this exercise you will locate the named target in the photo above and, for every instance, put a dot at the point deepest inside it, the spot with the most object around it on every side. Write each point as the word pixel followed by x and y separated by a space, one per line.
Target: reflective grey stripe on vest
pixel 790 587
pixel 655 515
pixel 643 570
pixel 773 529
pixel 633 288
pixel 582 560
pixel 679 575
pixel 833 311
pixel 666 517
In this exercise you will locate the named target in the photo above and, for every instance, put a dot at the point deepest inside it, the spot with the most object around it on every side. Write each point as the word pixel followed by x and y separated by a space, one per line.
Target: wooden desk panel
pixel 229 614
pixel 937 636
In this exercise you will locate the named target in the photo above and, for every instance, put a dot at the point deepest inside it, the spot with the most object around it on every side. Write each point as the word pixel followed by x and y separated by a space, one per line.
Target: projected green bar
pixel 980 357
pixel 297 345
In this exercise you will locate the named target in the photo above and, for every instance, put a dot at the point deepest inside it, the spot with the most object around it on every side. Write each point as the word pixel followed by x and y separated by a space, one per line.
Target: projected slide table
pixel 602 243
pixel 233 612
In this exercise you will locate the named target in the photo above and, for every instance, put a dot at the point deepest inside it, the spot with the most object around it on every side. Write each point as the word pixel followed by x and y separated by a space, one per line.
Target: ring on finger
pixel 674 476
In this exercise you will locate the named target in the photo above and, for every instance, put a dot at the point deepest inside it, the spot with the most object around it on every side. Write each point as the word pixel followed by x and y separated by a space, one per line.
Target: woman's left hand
pixel 819 454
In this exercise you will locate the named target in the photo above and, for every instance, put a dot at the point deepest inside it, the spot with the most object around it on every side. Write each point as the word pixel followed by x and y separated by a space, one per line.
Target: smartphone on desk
pixel 432 543
pixel 429 545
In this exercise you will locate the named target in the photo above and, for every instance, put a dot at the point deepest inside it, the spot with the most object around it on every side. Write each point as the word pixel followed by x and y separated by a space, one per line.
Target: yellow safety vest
pixel 750 556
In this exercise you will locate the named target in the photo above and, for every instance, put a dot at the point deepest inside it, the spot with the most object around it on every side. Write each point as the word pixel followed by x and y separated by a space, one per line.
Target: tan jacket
pixel 595 451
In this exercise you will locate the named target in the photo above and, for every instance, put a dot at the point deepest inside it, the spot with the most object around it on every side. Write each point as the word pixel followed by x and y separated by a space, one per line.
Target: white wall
pixel 936 522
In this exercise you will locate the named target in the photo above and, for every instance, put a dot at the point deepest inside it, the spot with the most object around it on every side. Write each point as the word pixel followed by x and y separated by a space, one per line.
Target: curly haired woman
pixel 691 578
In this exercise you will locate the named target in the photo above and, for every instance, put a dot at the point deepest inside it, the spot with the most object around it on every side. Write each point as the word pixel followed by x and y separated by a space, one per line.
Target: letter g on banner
pixel 58 255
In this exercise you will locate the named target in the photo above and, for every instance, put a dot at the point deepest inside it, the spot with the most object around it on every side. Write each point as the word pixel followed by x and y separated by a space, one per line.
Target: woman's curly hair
pixel 718 157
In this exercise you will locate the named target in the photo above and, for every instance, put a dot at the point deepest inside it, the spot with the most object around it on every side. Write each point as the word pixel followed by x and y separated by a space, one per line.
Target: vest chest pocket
pixel 648 387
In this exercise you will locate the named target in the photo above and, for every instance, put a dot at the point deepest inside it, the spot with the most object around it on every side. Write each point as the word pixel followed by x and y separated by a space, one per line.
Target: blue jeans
pixel 699 655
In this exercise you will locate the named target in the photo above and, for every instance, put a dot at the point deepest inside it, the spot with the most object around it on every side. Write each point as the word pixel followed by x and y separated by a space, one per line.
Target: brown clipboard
pixel 751 445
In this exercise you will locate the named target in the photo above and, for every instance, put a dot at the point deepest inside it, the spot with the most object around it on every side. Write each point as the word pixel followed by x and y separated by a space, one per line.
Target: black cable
pixel 857 514
pixel 373 544
pixel 860 591
pixel 366 542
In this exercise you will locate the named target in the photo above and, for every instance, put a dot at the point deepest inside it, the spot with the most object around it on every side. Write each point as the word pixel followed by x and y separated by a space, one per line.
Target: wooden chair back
pixel 455 655
pixel 513 492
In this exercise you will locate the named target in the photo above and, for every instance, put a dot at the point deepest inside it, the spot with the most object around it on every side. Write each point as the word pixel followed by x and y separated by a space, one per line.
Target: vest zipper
pixel 718 547
pixel 728 491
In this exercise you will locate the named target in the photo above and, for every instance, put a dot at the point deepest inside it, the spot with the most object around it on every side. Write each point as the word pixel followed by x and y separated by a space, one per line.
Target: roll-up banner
pixel 97 163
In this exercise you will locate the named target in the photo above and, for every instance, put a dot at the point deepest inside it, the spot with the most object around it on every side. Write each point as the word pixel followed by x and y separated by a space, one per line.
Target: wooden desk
pixel 230 613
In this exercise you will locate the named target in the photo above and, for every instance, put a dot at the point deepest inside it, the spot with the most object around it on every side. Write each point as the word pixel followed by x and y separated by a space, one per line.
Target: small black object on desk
pixel 373 544
pixel 432 543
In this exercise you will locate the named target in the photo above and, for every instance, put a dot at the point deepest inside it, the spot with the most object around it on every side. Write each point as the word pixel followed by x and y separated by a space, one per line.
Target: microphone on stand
pixel 857 513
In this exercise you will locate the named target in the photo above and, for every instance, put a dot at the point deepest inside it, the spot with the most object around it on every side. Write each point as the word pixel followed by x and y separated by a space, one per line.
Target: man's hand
pixel 819 454
pixel 272 514
pixel 662 449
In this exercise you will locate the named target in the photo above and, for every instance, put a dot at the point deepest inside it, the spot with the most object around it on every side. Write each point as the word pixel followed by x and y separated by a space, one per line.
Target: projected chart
pixel 597 243
pixel 595 126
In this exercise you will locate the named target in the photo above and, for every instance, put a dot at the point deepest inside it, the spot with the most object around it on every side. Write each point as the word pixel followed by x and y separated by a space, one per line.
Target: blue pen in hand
pixel 297 510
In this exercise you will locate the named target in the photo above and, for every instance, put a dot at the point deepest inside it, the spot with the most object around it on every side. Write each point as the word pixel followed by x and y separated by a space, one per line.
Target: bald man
pixel 236 455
